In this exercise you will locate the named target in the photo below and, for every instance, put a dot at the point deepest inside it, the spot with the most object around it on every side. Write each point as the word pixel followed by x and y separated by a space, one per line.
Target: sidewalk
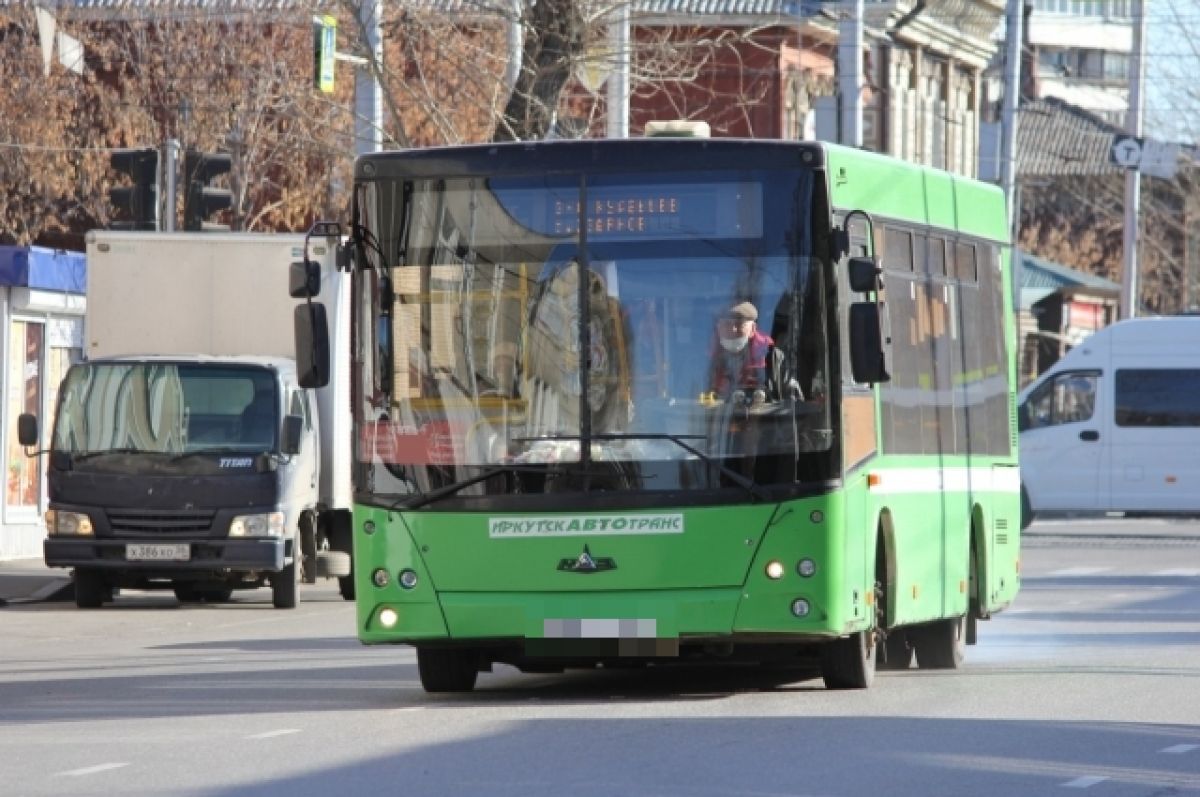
pixel 30 581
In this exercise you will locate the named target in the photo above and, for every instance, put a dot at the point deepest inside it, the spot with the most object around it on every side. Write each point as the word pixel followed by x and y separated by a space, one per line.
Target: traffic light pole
pixel 170 170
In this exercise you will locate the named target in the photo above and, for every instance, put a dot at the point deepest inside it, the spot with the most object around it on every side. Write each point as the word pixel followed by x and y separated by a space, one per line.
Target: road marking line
pixel 1179 571
pixel 75 773
pixel 273 734
pixel 1079 571
pixel 1180 748
pixel 1084 782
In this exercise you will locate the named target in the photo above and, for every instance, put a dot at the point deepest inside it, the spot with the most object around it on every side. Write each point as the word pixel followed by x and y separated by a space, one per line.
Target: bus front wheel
pixel 849 662
pixel 446 669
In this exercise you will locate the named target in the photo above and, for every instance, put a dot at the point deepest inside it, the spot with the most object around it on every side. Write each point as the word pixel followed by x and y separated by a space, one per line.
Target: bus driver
pixel 746 359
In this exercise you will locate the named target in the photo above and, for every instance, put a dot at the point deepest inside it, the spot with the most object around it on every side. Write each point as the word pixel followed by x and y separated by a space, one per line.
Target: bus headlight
pixel 775 570
pixel 68 524
pixel 408 578
pixel 806 568
pixel 388 618
pixel 800 607
pixel 267 524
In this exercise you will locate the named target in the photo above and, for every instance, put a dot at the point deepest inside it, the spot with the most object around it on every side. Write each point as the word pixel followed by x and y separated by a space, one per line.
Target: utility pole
pixel 618 79
pixel 1133 177
pixel 368 98
pixel 1014 37
pixel 849 69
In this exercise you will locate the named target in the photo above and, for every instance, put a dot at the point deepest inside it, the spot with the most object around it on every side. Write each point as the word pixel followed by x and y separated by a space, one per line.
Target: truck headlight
pixel 68 524
pixel 267 524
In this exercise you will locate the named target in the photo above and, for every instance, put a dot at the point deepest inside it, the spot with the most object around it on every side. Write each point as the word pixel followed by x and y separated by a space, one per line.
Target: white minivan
pixel 1114 426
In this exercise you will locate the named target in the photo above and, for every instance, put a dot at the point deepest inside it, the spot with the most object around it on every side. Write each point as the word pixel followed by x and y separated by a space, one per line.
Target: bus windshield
pixel 649 332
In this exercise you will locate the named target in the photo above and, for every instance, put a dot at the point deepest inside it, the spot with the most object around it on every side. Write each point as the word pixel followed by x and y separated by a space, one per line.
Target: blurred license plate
pixel 158 553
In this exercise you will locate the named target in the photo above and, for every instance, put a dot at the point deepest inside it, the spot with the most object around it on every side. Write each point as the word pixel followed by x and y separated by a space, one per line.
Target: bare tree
pixel 241 81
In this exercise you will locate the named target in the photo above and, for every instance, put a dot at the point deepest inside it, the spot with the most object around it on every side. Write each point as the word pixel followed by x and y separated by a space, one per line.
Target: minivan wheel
pixel 1026 509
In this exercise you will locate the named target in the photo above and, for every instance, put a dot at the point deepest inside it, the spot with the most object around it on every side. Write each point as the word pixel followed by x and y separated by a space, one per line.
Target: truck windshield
pixel 166 408
pixel 515 328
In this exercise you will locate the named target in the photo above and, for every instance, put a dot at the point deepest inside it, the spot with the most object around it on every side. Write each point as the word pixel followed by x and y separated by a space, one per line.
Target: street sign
pixel 1126 151
pixel 1160 159
pixel 324 52
pixel 1149 156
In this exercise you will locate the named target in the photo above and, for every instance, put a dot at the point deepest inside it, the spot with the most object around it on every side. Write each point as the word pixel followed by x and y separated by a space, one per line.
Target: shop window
pixel 23 474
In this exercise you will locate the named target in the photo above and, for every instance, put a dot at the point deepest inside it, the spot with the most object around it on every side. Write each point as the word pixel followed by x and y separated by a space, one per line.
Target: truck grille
pixel 159 523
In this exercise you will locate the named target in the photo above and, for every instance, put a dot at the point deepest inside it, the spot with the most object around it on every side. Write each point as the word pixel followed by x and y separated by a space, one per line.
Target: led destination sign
pixel 632 212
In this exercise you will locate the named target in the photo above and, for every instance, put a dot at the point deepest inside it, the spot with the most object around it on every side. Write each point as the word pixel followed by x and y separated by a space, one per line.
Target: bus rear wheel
pixel 446 669
pixel 941 645
pixel 897 651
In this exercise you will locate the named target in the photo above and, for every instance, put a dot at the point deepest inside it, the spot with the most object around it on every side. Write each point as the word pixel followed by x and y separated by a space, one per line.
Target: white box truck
pixel 184 454
pixel 1114 426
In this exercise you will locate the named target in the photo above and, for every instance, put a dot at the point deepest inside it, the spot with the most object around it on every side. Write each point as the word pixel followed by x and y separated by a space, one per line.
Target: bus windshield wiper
pixel 742 481
pixel 450 489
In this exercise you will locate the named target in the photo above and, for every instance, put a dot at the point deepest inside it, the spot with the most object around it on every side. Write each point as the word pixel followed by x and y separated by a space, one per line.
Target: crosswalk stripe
pixel 1079 571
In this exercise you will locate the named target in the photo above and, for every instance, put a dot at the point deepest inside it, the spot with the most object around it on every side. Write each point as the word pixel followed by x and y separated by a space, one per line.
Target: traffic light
pixel 139 202
pixel 199 200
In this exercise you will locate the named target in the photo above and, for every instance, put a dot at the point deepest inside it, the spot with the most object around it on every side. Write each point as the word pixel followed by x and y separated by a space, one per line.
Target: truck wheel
pixel 90 589
pixel 446 669
pixel 285 586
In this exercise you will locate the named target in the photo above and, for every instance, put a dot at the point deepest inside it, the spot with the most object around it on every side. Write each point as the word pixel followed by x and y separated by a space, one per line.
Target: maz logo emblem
pixel 586 563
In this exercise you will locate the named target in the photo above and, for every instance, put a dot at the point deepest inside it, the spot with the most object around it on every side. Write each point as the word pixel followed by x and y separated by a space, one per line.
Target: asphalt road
pixel 1090 683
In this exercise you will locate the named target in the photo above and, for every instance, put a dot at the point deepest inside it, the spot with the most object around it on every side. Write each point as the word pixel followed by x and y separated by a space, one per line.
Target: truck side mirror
pixel 312 345
pixel 293 428
pixel 27 429
pixel 304 279
pixel 868 360
pixel 864 274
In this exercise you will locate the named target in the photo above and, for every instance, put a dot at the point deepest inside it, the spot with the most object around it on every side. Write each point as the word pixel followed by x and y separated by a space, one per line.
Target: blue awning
pixel 42 268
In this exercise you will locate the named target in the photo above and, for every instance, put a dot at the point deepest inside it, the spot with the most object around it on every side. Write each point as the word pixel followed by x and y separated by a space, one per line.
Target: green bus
pixel 632 402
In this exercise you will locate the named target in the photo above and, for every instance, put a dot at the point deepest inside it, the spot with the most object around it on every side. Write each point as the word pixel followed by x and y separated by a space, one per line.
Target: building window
pixel 22 475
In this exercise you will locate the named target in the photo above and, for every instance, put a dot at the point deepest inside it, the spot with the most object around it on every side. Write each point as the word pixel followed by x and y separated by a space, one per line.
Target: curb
pixel 56 591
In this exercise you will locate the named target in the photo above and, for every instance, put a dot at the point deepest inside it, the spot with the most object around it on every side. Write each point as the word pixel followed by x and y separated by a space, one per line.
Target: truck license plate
pixel 158 553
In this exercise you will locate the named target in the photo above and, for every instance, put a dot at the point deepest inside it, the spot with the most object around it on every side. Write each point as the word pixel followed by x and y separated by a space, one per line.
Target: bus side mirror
pixel 864 274
pixel 304 279
pixel 312 345
pixel 868 360
pixel 293 428
pixel 27 429
pixel 1022 417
